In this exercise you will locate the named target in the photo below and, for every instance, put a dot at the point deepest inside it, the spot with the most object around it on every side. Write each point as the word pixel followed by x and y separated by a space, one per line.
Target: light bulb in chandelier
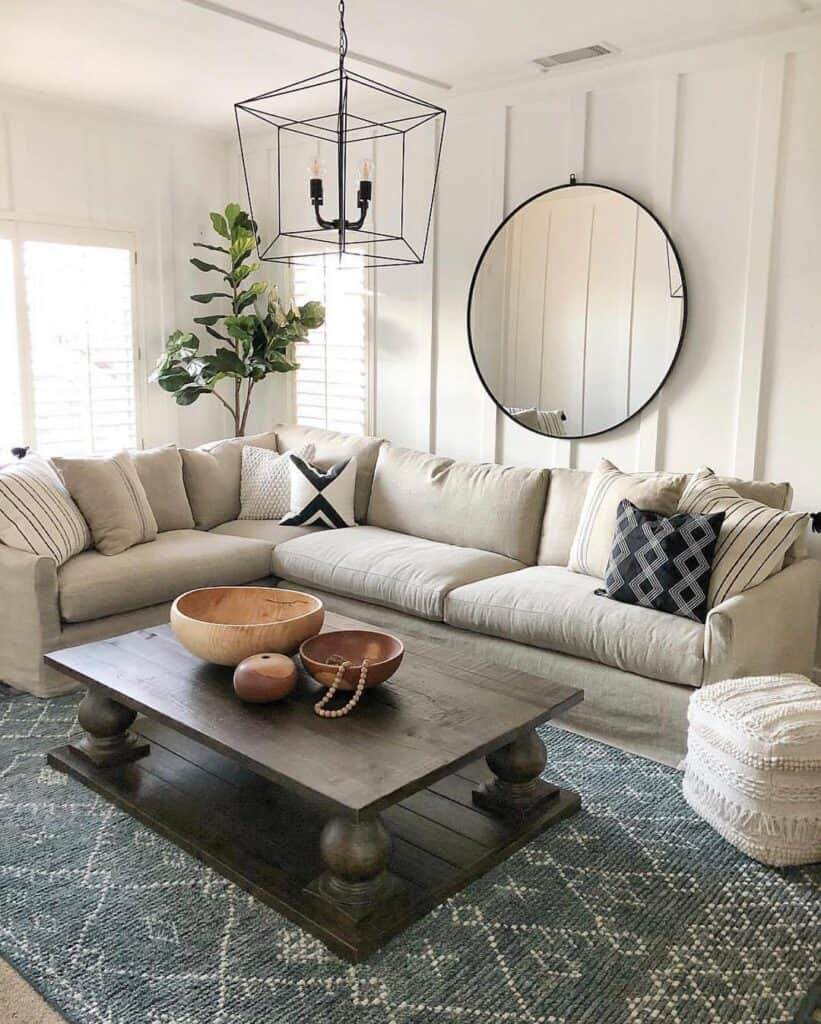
pixel 365 193
pixel 316 172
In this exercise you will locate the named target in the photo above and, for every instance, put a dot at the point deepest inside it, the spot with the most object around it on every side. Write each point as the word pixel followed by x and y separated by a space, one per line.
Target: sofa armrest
pixel 29 618
pixel 769 629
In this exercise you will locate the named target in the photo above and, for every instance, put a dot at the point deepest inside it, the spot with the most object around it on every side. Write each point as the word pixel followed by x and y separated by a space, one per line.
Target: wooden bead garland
pixel 319 707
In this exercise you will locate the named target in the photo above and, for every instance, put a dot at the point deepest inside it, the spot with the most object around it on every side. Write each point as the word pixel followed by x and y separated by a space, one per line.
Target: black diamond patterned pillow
pixel 662 562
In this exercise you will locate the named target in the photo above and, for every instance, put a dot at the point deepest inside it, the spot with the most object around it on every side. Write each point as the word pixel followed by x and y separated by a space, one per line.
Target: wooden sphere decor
pixel 264 677
pixel 322 655
pixel 226 625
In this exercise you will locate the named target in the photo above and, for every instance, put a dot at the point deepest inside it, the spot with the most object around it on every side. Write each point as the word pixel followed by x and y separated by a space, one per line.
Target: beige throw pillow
pixel 651 492
pixel 160 473
pixel 754 538
pixel 112 499
pixel 212 476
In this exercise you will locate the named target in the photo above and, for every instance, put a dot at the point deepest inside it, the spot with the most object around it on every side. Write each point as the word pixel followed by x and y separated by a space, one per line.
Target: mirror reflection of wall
pixel 577 311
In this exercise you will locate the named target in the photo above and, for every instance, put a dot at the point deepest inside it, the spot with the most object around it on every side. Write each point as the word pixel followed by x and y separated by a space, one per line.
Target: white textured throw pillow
pixel 651 492
pixel 321 498
pixel 37 513
pixel 265 486
pixel 754 538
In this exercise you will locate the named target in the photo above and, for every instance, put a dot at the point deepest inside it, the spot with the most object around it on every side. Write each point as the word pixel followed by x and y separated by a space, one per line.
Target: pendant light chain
pixel 343 35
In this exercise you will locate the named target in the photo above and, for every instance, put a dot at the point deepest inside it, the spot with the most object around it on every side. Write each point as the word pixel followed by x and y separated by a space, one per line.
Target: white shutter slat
pixel 332 382
pixel 79 306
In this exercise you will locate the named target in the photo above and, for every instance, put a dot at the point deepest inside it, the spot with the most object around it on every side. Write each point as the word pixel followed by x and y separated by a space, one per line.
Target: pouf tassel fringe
pixel 719 805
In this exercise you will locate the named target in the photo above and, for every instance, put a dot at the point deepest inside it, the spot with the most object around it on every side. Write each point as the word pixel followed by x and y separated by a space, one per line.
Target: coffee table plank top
pixel 441 710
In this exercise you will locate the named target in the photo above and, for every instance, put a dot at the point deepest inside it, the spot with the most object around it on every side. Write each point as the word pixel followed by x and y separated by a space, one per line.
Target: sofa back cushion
pixel 212 476
pixel 565 500
pixel 331 447
pixel 112 499
pixel 160 473
pixel 568 488
pixel 490 507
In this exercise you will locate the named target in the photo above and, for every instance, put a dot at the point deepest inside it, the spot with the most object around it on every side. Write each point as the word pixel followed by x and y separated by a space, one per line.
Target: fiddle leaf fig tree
pixel 254 334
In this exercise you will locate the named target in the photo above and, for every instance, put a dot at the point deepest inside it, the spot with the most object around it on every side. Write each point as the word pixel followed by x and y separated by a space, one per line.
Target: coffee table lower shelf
pixel 266 839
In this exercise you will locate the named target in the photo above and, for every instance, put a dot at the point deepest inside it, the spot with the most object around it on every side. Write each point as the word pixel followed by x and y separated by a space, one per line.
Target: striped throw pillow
pixel 593 542
pixel 37 513
pixel 754 538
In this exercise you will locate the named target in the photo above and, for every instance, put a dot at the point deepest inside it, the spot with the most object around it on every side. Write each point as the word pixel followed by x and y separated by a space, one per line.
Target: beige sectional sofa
pixel 470 555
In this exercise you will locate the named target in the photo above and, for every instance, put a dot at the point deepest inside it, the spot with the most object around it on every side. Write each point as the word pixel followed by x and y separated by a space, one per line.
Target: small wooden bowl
pixel 226 625
pixel 383 651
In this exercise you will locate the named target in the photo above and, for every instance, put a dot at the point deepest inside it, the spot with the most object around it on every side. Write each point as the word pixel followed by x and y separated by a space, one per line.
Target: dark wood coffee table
pixel 353 828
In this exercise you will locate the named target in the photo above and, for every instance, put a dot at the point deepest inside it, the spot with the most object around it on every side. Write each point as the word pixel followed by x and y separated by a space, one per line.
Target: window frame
pixel 370 360
pixel 19 230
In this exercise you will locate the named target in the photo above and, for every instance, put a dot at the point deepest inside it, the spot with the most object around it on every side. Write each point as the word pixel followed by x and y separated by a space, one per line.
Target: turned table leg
pixel 517 789
pixel 355 856
pixel 107 741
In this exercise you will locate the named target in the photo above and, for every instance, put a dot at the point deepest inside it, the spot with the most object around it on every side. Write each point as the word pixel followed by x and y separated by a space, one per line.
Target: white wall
pixel 723 144
pixel 69 164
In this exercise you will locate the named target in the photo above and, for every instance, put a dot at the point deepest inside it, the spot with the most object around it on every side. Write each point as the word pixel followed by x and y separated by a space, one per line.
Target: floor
pixel 20 1004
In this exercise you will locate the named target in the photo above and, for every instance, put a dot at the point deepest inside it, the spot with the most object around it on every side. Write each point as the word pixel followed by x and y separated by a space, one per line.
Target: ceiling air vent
pixel 572 56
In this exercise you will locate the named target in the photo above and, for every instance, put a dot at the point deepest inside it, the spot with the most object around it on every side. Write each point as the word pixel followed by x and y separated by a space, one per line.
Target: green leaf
pixel 241 327
pixel 190 393
pixel 248 297
pixel 219 225
pixel 227 363
pixel 208 296
pixel 242 246
pixel 213 248
pixel 244 221
pixel 215 334
pixel 312 315
pixel 237 276
pixel 174 379
pixel 209 320
pixel 202 265
pixel 232 211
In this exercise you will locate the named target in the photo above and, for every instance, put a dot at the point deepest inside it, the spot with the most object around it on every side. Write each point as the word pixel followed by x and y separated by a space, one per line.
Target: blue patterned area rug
pixel 631 911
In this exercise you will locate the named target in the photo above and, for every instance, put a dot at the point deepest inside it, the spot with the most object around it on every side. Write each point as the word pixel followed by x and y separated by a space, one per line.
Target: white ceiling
pixel 173 58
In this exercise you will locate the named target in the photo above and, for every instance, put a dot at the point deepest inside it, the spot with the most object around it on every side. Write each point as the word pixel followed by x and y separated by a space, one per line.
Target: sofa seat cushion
pixel 92 585
pixel 551 607
pixel 390 569
pixel 262 529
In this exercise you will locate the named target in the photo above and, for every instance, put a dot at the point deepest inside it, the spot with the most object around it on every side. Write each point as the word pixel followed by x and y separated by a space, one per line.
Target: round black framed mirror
pixel 577 310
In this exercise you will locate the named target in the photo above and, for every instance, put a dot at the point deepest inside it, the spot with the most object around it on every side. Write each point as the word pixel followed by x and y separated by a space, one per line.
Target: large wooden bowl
pixel 225 625
pixel 383 651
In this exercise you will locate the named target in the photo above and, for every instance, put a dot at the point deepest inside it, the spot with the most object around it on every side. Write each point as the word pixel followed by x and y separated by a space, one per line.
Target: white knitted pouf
pixel 754 765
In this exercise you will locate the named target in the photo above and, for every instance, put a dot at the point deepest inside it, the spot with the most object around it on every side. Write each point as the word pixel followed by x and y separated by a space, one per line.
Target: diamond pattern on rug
pixel 632 910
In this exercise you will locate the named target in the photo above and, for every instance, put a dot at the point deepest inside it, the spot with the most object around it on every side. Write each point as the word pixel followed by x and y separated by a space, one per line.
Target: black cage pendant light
pixel 340 163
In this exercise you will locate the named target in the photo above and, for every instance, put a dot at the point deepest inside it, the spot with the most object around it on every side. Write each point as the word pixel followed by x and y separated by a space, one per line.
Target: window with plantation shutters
pixel 69 294
pixel 332 384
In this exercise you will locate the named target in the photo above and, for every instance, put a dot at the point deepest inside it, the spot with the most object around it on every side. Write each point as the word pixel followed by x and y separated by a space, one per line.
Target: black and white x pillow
pixel 321 498
pixel 662 562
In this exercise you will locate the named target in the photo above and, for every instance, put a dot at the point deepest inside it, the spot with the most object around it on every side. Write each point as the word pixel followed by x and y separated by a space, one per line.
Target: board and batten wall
pixel 723 144
pixel 72 165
